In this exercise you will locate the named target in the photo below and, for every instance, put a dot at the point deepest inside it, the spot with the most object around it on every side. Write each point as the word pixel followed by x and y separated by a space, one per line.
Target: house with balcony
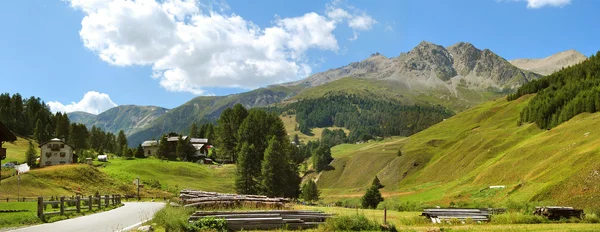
pixel 56 152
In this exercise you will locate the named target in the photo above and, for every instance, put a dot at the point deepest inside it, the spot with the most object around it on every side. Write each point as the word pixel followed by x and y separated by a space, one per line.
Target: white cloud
pixel 543 3
pixel 358 20
pixel 535 4
pixel 192 47
pixel 92 102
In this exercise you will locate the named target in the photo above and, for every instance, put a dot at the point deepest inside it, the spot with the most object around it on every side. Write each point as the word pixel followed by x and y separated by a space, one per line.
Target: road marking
pixel 135 225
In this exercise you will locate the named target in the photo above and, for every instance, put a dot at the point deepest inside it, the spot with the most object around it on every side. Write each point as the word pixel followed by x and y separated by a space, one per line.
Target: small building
pixel 103 158
pixel 56 152
pixel 150 147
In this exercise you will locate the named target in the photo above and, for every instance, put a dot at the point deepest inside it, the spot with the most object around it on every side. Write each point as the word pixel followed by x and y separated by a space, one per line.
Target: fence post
pixel 90 203
pixel 78 204
pixel 106 199
pixel 40 208
pixel 62 205
pixel 99 202
pixel 385 215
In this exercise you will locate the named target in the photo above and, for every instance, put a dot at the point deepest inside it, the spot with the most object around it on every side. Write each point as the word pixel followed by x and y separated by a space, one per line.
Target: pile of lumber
pixel 201 199
pixel 446 215
pixel 558 212
pixel 265 219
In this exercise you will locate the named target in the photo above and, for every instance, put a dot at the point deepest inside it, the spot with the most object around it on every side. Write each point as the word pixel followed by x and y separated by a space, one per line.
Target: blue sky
pixel 165 53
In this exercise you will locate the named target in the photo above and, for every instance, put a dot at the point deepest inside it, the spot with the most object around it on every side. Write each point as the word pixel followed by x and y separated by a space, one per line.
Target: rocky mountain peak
pixel 429 57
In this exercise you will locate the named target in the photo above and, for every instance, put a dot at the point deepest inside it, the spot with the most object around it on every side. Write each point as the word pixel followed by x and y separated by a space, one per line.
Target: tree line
pixel 364 117
pixel 562 95
pixel 31 117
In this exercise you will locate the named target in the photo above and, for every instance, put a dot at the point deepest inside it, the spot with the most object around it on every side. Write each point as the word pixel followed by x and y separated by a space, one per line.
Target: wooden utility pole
pixel 138 188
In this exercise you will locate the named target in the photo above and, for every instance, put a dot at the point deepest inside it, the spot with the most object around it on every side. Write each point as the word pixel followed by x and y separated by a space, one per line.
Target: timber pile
pixel 558 212
pixel 266 219
pixel 201 199
pixel 445 215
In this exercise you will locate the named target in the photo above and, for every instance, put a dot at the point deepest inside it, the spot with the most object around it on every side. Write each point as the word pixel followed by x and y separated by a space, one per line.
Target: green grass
pixel 456 160
pixel 173 176
pixel 15 151
pixel 289 121
pixel 21 218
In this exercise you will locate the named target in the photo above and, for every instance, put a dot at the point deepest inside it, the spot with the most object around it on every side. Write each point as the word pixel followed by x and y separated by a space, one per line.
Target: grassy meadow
pixel 455 161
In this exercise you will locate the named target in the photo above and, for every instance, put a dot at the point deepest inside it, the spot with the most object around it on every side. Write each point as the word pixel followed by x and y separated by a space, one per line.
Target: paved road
pixel 130 214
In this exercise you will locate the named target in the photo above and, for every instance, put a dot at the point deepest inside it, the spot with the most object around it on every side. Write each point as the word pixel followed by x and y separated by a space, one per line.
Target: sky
pixel 91 55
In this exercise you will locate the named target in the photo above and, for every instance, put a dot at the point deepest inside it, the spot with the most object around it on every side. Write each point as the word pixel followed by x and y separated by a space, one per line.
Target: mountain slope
pixel 129 118
pixel 457 77
pixel 550 64
pixel 458 159
pixel 208 109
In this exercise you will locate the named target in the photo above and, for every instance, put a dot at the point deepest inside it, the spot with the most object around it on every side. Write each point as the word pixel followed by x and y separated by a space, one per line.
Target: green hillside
pixel 161 178
pixel 15 151
pixel 451 162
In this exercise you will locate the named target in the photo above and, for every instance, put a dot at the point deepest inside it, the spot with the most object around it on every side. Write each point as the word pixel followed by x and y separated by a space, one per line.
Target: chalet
pixel 200 145
pixel 56 152
pixel 150 147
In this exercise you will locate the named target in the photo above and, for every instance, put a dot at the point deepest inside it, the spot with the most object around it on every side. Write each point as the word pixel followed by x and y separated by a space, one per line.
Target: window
pixel 62 154
pixel 149 152
pixel 62 145
pixel 48 154
pixel 62 162
pixel 48 162
pixel 50 146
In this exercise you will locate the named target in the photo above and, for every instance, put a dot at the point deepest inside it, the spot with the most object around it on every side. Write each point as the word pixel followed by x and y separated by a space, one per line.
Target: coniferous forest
pixel 562 95
pixel 364 117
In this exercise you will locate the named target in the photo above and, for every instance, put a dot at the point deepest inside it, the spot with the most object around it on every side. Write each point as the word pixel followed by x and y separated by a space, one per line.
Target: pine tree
pixel 38 132
pixel 163 147
pixel 31 154
pixel 248 170
pixel 181 149
pixel 377 183
pixel 139 152
pixel 193 130
pixel 372 197
pixel 310 192
pixel 48 133
pixel 274 169
pixel 121 140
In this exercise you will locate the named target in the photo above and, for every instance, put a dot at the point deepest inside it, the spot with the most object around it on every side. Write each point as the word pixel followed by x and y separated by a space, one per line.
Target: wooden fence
pixel 445 215
pixel 63 204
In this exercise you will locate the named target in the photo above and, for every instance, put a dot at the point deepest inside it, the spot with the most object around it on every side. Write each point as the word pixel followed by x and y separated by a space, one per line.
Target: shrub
pixel 591 218
pixel 173 218
pixel 356 222
pixel 209 223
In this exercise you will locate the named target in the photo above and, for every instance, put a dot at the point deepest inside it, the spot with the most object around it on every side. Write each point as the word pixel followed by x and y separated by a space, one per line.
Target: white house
pixel 56 152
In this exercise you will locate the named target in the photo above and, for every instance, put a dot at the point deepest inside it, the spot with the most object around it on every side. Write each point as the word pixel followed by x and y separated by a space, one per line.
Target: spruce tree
pixel 372 197
pixel 139 152
pixel 38 131
pixel 163 148
pixel 322 158
pixel 181 149
pixel 248 170
pixel 31 154
pixel 377 183
pixel 310 192
pixel 274 169
pixel 193 130
pixel 121 140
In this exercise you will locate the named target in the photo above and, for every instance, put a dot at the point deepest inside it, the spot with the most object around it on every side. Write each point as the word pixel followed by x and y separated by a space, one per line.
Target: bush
pixel 356 222
pixel 591 218
pixel 152 183
pixel 173 218
pixel 209 223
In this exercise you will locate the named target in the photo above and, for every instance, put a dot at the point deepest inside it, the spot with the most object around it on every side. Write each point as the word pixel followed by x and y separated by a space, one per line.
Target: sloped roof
pixel 198 140
pixel 55 140
pixel 198 146
pixel 174 138
pixel 6 134
pixel 149 143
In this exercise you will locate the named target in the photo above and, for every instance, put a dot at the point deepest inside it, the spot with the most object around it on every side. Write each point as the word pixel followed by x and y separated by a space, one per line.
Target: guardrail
pixel 91 202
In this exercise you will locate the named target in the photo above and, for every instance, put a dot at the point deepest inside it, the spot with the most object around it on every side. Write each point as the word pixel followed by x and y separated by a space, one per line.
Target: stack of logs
pixel 201 199
pixel 446 215
pixel 265 220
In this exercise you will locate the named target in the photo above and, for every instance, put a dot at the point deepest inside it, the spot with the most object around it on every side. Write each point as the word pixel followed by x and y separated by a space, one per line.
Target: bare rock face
pixel 550 64
pixel 428 57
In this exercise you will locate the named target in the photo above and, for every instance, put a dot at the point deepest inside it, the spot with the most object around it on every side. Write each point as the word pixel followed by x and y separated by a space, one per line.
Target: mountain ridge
pixel 550 64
